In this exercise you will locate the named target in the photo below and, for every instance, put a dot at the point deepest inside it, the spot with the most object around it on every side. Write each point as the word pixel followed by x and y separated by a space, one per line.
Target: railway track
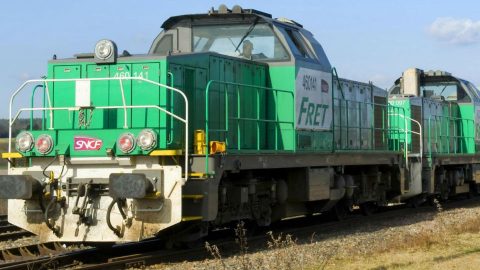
pixel 9 231
pixel 138 255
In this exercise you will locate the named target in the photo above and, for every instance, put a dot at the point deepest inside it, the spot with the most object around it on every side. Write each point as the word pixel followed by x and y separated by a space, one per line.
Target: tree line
pixel 19 125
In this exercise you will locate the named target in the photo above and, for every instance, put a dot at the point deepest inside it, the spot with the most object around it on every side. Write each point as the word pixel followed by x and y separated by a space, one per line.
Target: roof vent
pixel 237 9
pixel 437 73
pixel 222 9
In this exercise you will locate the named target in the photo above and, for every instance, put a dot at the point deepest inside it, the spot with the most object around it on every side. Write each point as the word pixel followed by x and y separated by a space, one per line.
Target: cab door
pixel 313 91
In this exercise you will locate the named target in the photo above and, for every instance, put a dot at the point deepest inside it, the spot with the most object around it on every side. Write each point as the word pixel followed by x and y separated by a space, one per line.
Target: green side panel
pixel 117 117
pixel 231 94
pixel 477 128
pixel 466 128
pixel 64 96
pixel 446 143
pixel 451 130
pixel 397 138
pixel 282 107
pixel 233 109
pixel 177 105
pixel 99 94
pixel 260 79
pixel 145 94
pixel 105 124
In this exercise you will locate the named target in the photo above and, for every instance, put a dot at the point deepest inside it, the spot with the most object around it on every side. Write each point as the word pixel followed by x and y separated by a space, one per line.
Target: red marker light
pixel 44 144
pixel 126 142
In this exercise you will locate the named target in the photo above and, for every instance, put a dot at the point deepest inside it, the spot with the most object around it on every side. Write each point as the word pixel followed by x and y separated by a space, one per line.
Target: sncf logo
pixel 86 143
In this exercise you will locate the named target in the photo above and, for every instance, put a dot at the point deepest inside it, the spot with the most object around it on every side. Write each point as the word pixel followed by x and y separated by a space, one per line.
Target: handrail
pixel 172 84
pixel 207 130
pixel 411 131
pixel 32 101
pixel 448 119
pixel 363 106
pixel 73 108
pixel 335 75
pixel 124 106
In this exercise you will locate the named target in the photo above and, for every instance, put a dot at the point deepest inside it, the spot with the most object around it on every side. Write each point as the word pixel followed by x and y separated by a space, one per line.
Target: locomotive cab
pixel 444 111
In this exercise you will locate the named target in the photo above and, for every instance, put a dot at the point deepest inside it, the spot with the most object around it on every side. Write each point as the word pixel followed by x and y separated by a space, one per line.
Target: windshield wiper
pixel 250 29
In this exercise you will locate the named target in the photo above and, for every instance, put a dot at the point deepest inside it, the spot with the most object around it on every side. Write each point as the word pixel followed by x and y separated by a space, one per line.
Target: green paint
pixel 284 135
pixel 245 109
pixel 109 124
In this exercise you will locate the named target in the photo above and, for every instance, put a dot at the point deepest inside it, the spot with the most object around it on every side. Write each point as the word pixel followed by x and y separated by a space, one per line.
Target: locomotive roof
pixel 214 16
pixel 434 76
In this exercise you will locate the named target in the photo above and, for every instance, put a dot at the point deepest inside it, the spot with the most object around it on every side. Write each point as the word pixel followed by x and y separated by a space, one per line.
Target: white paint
pixel 82 93
pixel 149 216
pixel 313 100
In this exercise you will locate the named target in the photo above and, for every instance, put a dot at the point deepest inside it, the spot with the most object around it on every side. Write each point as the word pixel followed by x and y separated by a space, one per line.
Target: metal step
pixel 191 218
pixel 193 196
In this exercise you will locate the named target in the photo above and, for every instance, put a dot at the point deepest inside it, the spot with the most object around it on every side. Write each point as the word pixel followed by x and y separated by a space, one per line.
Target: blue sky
pixel 365 40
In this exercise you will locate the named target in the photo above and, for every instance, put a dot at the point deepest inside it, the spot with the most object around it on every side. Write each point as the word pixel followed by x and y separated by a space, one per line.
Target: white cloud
pixel 455 31
pixel 25 76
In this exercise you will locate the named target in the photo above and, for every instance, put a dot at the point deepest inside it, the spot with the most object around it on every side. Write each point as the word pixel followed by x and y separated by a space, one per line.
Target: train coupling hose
pixel 54 200
pixel 120 203
pixel 50 222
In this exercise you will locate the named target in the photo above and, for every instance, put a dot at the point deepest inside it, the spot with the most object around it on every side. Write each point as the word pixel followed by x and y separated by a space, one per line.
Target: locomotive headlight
pixel 126 142
pixel 44 144
pixel 24 141
pixel 147 139
pixel 104 49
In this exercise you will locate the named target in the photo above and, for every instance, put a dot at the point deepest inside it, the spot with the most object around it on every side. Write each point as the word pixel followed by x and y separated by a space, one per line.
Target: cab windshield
pixel 450 90
pixel 254 41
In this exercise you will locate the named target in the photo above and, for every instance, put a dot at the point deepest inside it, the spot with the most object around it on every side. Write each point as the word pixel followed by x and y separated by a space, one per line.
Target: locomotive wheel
pixel 368 208
pixel 444 193
pixel 340 211
pixel 473 191
pixel 417 201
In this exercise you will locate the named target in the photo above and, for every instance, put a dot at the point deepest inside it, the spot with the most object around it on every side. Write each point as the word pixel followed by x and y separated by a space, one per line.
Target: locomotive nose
pixel 18 186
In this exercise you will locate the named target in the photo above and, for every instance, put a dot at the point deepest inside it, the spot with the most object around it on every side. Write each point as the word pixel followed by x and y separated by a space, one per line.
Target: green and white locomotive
pixel 232 115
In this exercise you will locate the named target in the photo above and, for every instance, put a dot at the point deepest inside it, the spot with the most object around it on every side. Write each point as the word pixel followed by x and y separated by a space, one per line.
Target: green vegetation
pixel 20 124
pixel 3 149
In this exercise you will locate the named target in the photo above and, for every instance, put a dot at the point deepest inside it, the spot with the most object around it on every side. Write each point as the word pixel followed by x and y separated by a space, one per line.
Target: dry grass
pixel 435 233
pixel 3 144
pixel 445 240
pixel 282 252
pixel 461 252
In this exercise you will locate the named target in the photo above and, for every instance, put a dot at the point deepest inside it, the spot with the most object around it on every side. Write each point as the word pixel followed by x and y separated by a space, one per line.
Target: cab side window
pixel 299 45
pixel 165 45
